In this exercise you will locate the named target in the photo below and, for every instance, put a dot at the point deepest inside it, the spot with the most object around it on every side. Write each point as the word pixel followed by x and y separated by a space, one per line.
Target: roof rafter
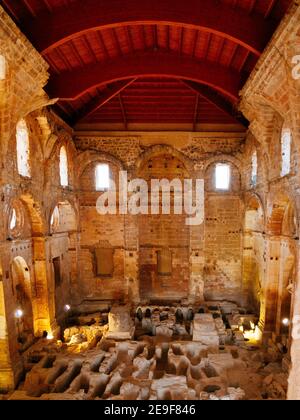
pixel 70 85
pixel 251 31
pixel 216 99
pixel 96 103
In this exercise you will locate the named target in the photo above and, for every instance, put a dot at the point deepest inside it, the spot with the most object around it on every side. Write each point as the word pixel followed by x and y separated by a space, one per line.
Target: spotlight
pixel 67 308
pixel 286 322
pixel 19 313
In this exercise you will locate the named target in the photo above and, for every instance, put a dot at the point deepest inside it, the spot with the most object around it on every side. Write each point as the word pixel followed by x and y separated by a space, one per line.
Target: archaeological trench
pixel 140 304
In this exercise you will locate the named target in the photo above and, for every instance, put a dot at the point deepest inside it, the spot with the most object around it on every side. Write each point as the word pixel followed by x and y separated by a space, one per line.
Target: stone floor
pixel 166 360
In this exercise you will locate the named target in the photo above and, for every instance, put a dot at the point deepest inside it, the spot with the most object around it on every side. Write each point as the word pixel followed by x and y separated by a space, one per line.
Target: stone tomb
pixel 120 324
pixel 204 330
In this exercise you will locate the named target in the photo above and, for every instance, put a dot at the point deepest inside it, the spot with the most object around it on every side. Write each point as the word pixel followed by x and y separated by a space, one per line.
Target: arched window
pixel 2 67
pixel 102 177
pixel 54 221
pixel 254 169
pixel 223 176
pixel 13 220
pixel 63 167
pixel 23 151
pixel 286 143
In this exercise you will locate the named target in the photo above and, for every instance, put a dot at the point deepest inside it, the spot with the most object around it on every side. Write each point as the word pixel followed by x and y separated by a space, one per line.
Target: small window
pixel 54 222
pixel 63 167
pixel 254 169
pixel 13 220
pixel 222 176
pixel 23 152
pixel 286 142
pixel 102 177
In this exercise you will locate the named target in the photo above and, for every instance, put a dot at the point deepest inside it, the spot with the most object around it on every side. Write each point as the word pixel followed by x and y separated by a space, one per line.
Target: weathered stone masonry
pixel 246 251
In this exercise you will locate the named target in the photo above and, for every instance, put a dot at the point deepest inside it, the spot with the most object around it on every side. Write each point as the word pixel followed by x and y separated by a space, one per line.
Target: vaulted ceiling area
pixel 166 64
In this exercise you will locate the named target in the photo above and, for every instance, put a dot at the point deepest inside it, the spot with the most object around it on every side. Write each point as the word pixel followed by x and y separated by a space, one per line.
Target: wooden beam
pixel 250 31
pixel 70 85
pixel 123 112
pixel 218 100
pixel 196 112
pixel 96 103
pixel 270 8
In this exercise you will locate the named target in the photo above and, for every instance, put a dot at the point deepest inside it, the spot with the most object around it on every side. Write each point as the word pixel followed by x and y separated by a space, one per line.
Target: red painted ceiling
pixel 127 62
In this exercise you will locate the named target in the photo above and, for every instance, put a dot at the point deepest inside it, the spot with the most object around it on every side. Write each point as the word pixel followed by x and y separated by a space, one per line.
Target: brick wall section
pixel 193 248
pixel 223 258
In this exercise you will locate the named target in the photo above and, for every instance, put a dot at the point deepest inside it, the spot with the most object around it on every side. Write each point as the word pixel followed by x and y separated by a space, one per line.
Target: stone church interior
pixel 144 306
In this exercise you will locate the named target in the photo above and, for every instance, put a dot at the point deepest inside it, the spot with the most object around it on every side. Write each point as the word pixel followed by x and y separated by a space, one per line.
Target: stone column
pixel 6 371
pixel 197 260
pixel 270 286
pixel 73 252
pixel 294 377
pixel 44 299
pixel 131 258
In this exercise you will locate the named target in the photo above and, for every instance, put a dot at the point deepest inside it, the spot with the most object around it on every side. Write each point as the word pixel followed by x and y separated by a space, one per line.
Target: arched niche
pixel 21 283
pixel 63 218
pixel 254 215
pixel 18 222
pixel 35 212
pixel 282 218
pixel 87 164
pixel 163 166
pixel 287 289
pixel 176 161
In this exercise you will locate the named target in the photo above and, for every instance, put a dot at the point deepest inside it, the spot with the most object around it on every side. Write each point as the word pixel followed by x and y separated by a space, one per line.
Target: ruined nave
pixel 149 212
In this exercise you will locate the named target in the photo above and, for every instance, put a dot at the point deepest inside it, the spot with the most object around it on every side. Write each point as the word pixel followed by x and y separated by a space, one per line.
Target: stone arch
pixel 161 149
pixel 87 163
pixel 15 208
pixel 288 274
pixel 56 135
pixel 38 225
pixel 252 145
pixel 22 289
pixel 6 371
pixel 282 217
pixel 52 159
pixel 88 157
pixel 236 171
pixel 253 253
pixel 254 214
pixel 68 216
pixel 42 320
pixel 223 158
pixel 35 148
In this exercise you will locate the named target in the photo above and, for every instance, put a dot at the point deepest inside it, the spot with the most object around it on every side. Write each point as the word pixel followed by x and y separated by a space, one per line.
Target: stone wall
pixel 33 199
pixel 198 265
pixel 247 249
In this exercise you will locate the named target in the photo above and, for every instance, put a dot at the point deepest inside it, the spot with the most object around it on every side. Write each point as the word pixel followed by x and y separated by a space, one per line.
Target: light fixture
pixel 67 308
pixel 50 336
pixel 19 313
pixel 286 322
